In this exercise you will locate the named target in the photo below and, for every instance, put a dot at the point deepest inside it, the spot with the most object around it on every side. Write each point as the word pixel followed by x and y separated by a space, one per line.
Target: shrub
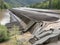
pixel 4 35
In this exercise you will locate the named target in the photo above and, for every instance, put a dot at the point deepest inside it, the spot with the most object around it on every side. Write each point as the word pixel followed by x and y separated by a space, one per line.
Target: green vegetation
pixel 14 30
pixel 14 36
pixel 4 35
pixel 4 5
pixel 48 4
pixel 18 3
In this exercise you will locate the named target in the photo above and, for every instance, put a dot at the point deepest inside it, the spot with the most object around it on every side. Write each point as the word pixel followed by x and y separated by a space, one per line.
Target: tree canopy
pixel 48 4
pixel 4 5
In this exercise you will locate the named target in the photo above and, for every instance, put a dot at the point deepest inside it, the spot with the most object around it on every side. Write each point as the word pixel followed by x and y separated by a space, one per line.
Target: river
pixel 4 17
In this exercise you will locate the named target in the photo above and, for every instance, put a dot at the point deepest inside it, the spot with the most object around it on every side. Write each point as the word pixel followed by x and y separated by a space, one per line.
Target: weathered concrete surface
pixel 39 16
pixel 35 15
pixel 55 26
pixel 54 43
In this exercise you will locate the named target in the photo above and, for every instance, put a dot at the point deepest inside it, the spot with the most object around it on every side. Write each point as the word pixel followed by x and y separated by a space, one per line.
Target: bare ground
pixel 13 41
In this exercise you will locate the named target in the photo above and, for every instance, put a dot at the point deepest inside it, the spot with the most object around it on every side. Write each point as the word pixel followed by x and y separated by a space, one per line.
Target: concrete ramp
pixel 36 15
pixel 35 20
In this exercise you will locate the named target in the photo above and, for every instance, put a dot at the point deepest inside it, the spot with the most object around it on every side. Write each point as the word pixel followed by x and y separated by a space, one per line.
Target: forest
pixel 48 4
pixel 4 5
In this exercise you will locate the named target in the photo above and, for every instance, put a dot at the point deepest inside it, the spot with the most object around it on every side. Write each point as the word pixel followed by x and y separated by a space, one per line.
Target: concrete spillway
pixel 36 25
pixel 36 15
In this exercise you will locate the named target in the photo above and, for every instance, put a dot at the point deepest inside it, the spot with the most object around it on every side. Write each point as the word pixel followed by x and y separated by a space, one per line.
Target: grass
pixel 24 40
pixel 16 38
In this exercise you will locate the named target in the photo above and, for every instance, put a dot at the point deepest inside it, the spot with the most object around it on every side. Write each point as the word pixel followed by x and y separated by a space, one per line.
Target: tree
pixel 4 35
pixel 4 5
pixel 48 4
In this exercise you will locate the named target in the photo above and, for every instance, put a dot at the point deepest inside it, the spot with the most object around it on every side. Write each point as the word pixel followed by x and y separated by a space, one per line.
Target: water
pixel 8 17
pixel 4 17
